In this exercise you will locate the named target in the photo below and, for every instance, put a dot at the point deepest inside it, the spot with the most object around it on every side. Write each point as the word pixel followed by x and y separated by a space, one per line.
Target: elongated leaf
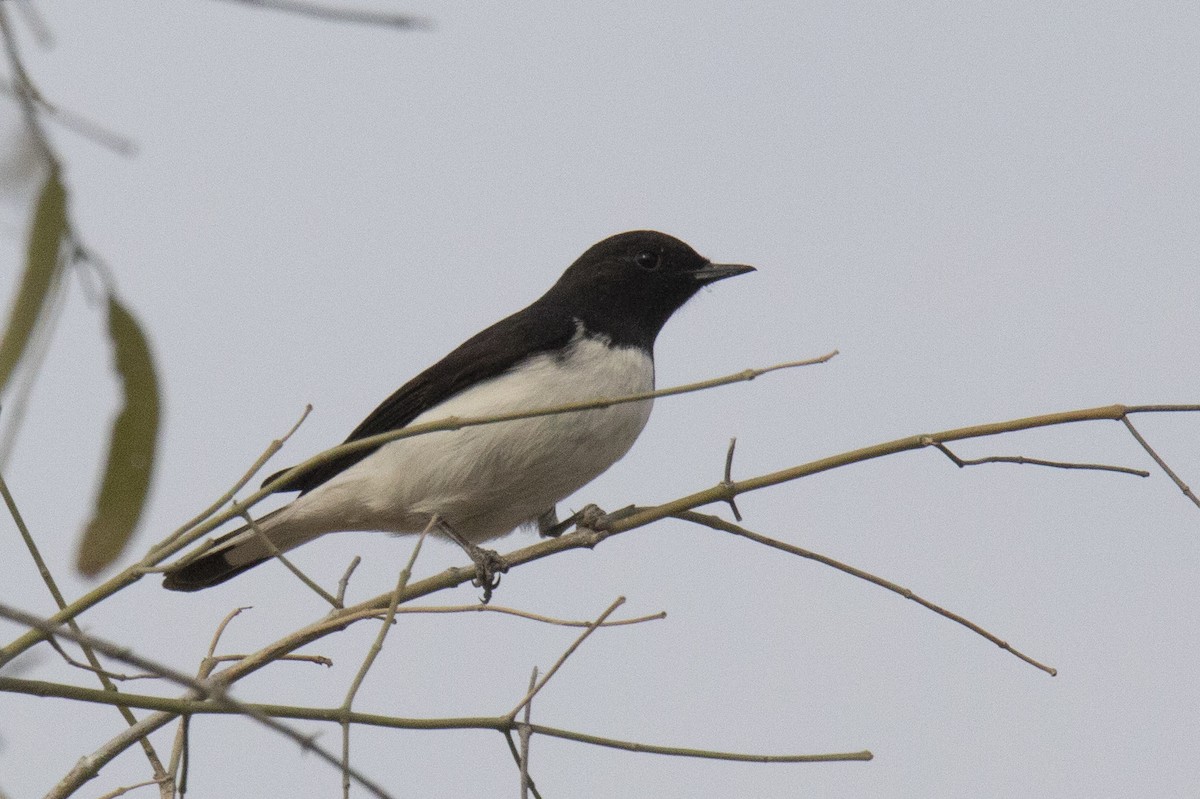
pixel 45 238
pixel 131 450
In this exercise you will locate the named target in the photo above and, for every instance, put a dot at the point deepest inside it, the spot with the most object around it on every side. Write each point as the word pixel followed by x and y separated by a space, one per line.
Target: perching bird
pixel 590 336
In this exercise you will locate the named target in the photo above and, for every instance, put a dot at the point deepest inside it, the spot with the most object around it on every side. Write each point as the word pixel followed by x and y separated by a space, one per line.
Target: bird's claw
pixel 590 517
pixel 489 565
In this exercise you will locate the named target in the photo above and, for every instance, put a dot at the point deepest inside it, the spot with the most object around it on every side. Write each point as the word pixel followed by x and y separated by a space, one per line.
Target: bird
pixel 591 336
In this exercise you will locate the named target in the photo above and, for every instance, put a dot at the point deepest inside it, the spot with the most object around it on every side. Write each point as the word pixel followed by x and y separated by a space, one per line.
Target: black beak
pixel 711 273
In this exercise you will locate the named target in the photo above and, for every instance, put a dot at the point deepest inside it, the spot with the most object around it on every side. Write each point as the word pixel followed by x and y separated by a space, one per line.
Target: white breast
pixel 487 480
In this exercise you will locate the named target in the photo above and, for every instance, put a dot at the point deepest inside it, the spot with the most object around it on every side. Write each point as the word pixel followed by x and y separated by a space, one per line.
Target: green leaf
pixel 41 265
pixel 131 450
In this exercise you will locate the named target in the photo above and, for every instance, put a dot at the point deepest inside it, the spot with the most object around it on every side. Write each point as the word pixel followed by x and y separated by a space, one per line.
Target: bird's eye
pixel 647 260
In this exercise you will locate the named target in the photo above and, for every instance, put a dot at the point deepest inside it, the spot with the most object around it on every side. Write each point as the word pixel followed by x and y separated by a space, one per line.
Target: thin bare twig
pixel 36 24
pixel 525 614
pixel 728 481
pixel 361 17
pixel 170 708
pixel 93 662
pixel 211 690
pixel 30 366
pixel 1182 486
pixel 512 714
pixel 99 670
pixel 113 794
pixel 524 733
pixel 717 523
pixel 344 583
pixel 376 648
pixel 276 553
pixel 1021 459
pixel 207 664
pixel 318 660
pixel 77 123
pixel 228 496
pixel 705 754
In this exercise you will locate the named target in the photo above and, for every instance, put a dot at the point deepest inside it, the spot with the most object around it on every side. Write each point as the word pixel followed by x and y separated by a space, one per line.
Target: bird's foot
pixel 591 517
pixel 489 565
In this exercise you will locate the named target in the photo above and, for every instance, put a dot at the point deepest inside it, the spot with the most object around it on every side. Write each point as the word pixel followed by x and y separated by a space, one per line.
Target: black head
pixel 627 286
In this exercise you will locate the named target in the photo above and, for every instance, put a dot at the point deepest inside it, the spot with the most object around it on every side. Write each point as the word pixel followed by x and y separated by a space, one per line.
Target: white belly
pixel 487 480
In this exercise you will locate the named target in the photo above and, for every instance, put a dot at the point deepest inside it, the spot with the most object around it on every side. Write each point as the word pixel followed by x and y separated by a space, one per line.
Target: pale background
pixel 991 209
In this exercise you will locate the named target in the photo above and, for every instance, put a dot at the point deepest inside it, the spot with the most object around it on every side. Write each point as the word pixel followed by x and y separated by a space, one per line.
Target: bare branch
pixel 706 754
pixel 1021 459
pixel 344 583
pixel 512 714
pixel 212 690
pixel 525 614
pixel 228 496
pixel 361 17
pixel 524 733
pixel 318 660
pixel 93 662
pixel 170 708
pixel 80 124
pixel 728 481
pixel 377 647
pixel 113 794
pixel 718 523
pixel 279 556
pixel 1187 492
pixel 103 672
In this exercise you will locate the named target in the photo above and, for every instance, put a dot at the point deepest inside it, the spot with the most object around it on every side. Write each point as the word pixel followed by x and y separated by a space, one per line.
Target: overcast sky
pixel 991 210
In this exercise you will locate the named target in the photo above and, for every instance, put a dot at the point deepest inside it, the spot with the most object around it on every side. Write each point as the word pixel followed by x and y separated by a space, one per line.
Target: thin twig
pixel 212 644
pixel 27 93
pixel 30 366
pixel 525 614
pixel 376 648
pixel 705 754
pixel 276 553
pixel 103 672
pixel 228 496
pixel 361 17
pixel 207 664
pixel 80 124
pixel 212 690
pixel 728 481
pixel 318 660
pixel 1187 492
pixel 524 734
pixel 512 714
pixel 1021 459
pixel 344 583
pixel 113 794
pixel 36 24
pixel 170 708
pixel 94 665
pixel 717 523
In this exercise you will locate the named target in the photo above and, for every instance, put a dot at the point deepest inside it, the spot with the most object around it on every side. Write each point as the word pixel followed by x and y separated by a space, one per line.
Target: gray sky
pixel 990 210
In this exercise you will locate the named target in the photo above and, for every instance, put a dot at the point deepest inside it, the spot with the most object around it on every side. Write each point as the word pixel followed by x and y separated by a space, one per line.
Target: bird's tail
pixel 230 555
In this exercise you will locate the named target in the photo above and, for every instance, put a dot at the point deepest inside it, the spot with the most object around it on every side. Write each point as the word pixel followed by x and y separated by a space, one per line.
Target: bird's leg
pixel 590 516
pixel 489 565
pixel 549 526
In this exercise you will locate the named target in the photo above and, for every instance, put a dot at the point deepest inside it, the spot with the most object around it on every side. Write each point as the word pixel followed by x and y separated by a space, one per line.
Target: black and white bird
pixel 590 336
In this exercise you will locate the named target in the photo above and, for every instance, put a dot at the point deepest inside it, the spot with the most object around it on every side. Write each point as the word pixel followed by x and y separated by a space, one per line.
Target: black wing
pixel 487 354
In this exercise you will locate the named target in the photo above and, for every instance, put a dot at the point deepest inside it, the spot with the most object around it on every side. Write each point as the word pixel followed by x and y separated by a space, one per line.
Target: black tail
pixel 230 555
pixel 206 571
